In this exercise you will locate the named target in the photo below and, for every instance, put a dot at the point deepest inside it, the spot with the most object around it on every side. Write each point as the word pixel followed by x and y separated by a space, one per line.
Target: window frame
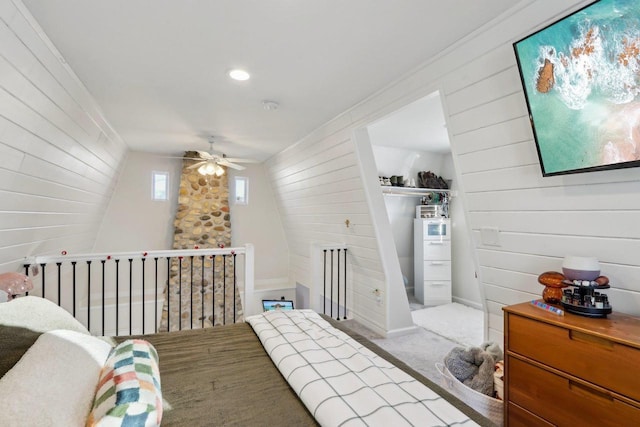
pixel 154 185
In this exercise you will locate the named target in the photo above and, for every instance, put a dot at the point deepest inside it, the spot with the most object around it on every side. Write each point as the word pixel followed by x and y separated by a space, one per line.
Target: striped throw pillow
pixel 128 393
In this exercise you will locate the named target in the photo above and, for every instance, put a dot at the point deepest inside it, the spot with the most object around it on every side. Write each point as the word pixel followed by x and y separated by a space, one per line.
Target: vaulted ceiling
pixel 158 68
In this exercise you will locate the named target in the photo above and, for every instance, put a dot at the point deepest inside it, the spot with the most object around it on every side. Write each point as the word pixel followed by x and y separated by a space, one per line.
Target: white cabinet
pixel 432 260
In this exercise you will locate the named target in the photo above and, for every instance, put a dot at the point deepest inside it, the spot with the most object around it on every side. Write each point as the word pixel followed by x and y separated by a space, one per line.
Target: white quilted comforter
pixel 343 383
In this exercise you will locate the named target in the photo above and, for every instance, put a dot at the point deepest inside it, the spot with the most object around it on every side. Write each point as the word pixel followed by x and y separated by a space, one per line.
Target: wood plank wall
pixel 317 186
pixel 541 220
pixel 59 158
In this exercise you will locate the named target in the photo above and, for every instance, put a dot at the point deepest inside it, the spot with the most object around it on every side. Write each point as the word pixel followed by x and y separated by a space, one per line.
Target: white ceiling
pixel 158 68
pixel 419 126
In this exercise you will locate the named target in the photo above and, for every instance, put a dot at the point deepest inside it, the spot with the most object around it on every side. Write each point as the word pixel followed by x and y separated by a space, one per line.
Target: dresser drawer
pixel 519 417
pixel 437 289
pixel 437 250
pixel 437 270
pixel 565 401
pixel 587 356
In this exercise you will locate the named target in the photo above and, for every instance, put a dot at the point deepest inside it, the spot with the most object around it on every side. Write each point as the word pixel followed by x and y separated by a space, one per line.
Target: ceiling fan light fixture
pixel 239 74
pixel 211 168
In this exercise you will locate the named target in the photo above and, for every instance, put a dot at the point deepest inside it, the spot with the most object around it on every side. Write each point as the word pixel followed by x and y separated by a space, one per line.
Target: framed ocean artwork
pixel 581 79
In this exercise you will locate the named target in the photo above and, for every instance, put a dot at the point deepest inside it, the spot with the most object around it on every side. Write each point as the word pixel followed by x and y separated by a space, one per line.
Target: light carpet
pixel 457 322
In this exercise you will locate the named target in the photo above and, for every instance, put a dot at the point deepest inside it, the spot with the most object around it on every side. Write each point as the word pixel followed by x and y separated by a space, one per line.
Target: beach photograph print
pixel 581 77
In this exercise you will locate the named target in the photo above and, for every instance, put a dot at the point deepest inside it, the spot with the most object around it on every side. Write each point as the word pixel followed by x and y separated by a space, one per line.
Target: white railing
pixel 330 293
pixel 98 288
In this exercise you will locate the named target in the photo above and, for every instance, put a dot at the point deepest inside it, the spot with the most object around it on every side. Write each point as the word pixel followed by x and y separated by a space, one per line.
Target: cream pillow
pixel 55 381
pixel 38 314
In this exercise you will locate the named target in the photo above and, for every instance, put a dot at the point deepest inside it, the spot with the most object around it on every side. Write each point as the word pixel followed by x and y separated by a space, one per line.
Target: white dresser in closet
pixel 432 260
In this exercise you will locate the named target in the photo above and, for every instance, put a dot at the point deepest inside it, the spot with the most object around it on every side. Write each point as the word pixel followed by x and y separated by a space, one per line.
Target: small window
pixel 242 190
pixel 160 186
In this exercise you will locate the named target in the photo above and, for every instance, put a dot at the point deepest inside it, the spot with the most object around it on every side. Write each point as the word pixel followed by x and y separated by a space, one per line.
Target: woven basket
pixel 485 405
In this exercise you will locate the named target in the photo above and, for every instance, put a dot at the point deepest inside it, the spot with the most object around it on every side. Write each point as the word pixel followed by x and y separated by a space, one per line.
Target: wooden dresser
pixel 570 370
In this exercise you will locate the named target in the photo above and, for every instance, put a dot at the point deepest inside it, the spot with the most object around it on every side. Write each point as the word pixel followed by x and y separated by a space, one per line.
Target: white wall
pixel 541 220
pixel 465 286
pixel 318 185
pixel 259 223
pixel 59 158
pixel 133 220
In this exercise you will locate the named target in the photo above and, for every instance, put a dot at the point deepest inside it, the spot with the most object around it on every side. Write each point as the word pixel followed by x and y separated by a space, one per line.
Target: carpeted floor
pixel 440 329
pixel 457 322
pixel 424 348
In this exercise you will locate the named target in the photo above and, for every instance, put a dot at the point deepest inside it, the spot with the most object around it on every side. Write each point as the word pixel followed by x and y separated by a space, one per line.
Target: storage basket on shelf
pixel 485 405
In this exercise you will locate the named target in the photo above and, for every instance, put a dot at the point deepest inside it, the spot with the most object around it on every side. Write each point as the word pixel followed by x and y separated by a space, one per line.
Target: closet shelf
pixel 413 191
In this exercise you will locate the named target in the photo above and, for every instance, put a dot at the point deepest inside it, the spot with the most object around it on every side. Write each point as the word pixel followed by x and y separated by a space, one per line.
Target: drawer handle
pixel 590 339
pixel 437 284
pixel 436 243
pixel 437 263
pixel 589 392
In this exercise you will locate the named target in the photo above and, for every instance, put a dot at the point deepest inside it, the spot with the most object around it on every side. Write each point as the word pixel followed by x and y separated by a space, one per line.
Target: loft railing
pixel 330 290
pixel 123 293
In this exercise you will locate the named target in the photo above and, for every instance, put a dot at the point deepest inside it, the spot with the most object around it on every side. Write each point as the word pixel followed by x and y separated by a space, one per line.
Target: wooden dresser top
pixel 616 327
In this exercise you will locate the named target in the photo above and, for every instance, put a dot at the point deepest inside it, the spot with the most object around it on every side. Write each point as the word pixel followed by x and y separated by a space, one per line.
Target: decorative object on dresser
pixel 553 283
pixel 570 370
pixel 586 299
pixel 432 260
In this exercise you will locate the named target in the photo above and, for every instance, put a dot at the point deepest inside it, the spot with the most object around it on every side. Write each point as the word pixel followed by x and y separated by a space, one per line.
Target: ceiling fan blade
pixel 197 165
pixel 225 162
pixel 238 160
pixel 205 155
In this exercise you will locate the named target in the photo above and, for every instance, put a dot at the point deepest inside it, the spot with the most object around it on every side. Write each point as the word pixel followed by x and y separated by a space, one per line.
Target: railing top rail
pixel 45 259
pixel 329 246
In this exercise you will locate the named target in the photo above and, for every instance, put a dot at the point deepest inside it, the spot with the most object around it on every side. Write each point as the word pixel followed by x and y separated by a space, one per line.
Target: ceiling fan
pixel 211 163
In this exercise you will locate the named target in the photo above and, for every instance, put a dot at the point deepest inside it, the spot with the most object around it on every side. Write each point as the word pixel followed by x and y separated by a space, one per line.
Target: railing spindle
pixel 89 295
pixel 130 293
pixel 191 294
pixel 224 289
pixel 43 268
pixel 155 299
pixel 202 291
pixel 103 280
pixel 143 259
pixel 234 287
pixel 168 294
pixel 180 295
pixel 59 268
pixel 73 264
pixel 345 284
pixel 117 296
pixel 331 311
pixel 324 280
pixel 213 287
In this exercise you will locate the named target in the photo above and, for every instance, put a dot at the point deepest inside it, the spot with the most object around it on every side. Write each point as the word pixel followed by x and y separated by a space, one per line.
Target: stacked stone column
pixel 202 220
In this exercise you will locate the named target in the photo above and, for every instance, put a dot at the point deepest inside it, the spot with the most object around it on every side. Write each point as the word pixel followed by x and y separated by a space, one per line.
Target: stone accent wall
pixel 201 289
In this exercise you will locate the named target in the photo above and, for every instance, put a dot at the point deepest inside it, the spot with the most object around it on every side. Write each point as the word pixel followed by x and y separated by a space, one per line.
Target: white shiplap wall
pixel 541 220
pixel 317 186
pixel 59 158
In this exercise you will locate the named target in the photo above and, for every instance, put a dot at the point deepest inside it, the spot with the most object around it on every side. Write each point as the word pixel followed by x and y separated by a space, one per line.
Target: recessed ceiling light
pixel 238 74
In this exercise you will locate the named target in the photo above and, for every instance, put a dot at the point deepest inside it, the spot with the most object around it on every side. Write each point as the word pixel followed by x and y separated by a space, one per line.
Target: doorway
pixel 413 139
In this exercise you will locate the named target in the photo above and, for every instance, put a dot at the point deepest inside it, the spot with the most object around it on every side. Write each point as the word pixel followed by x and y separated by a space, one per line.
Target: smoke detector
pixel 270 105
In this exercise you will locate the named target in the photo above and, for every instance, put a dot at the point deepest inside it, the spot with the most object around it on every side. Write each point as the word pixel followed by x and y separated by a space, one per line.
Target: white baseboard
pixel 402 331
pixel 467 302
pixel 367 324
